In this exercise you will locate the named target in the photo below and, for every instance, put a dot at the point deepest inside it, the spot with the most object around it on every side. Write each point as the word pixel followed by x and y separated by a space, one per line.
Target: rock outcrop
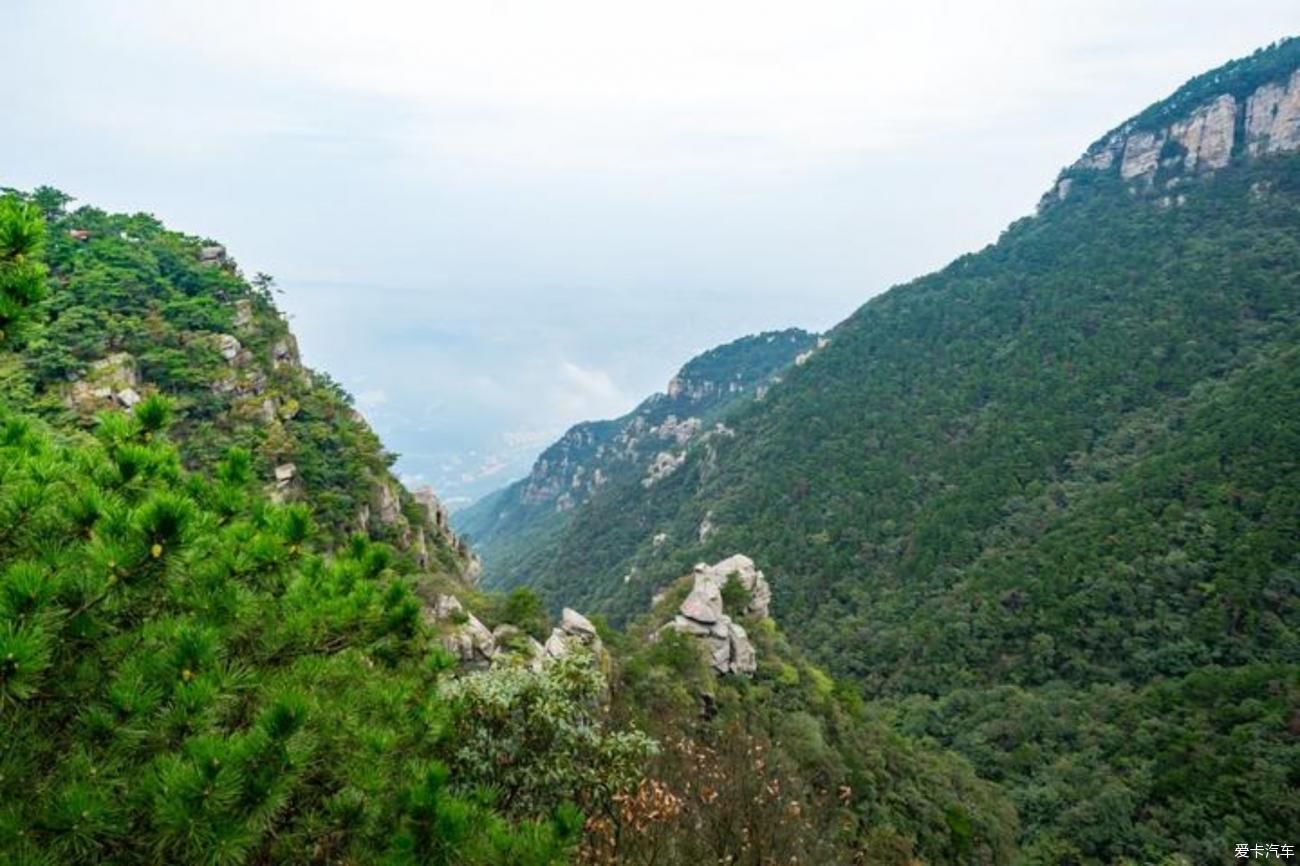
pixel 664 464
pixel 1206 137
pixel 574 630
pixel 464 636
pixel 110 381
pixel 478 648
pixel 1273 117
pixel 744 570
pixel 437 519
pixel 702 615
pixel 229 347
pixel 213 254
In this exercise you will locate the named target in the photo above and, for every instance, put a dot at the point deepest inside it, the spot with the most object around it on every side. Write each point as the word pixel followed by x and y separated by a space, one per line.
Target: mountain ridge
pixel 644 446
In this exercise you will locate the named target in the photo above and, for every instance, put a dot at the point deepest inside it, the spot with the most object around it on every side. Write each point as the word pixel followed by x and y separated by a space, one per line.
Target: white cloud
pixel 588 389
pixel 733 85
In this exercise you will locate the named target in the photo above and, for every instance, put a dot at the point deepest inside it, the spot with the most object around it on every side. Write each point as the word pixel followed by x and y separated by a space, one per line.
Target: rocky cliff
pixel 1246 109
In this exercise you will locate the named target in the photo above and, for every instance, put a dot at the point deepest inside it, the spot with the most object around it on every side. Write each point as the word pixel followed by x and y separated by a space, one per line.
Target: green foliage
pixel 130 288
pixel 534 737
pixel 523 609
pixel 22 274
pixel 515 527
pixel 736 597
pixel 1063 463
pixel 184 679
pixel 782 769
pixel 191 672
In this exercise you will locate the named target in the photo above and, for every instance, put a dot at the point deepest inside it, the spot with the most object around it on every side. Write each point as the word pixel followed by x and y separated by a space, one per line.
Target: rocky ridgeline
pixel 1265 121
pixel 702 614
pixel 569 472
pixel 476 647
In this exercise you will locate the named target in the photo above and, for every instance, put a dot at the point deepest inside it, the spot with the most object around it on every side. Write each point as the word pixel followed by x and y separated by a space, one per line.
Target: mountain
pixel 512 527
pixel 228 636
pixel 138 309
pixel 1042 504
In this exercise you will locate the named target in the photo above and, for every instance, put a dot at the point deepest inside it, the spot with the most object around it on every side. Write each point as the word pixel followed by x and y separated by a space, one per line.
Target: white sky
pixel 493 219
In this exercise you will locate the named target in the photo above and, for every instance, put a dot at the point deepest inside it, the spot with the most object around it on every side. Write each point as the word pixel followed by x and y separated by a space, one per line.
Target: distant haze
pixel 491 220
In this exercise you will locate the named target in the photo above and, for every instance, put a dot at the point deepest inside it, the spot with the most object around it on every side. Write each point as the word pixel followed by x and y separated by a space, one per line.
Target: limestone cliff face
pixel 1202 128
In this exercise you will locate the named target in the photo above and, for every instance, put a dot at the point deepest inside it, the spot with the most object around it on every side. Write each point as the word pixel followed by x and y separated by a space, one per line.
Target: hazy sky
pixel 492 219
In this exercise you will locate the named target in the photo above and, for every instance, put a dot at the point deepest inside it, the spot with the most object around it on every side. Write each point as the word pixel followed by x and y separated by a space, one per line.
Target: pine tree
pixel 22 274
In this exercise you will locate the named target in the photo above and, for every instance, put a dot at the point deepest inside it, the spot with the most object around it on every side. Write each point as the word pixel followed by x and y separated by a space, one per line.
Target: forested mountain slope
pixel 512 528
pixel 1044 505
pixel 197 667
pixel 138 309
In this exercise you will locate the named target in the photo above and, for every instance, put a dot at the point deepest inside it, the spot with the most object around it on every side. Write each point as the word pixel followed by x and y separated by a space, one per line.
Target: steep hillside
pixel 1042 505
pixel 138 309
pixel 197 668
pixel 513 528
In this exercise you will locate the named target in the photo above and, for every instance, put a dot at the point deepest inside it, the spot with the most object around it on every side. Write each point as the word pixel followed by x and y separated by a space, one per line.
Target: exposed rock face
pixel 704 604
pixel 110 380
pixel 465 636
pixel 390 508
pixel 285 482
pixel 680 432
pixel 437 519
pixel 243 314
pixel 477 648
pixel 433 507
pixel 702 615
pixel 1141 155
pixel 760 593
pixel 213 254
pixel 419 549
pixel 706 527
pixel 574 630
pixel 665 464
pixel 285 352
pixel 1206 135
pixel 1202 140
pixel 1273 117
pixel 228 346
